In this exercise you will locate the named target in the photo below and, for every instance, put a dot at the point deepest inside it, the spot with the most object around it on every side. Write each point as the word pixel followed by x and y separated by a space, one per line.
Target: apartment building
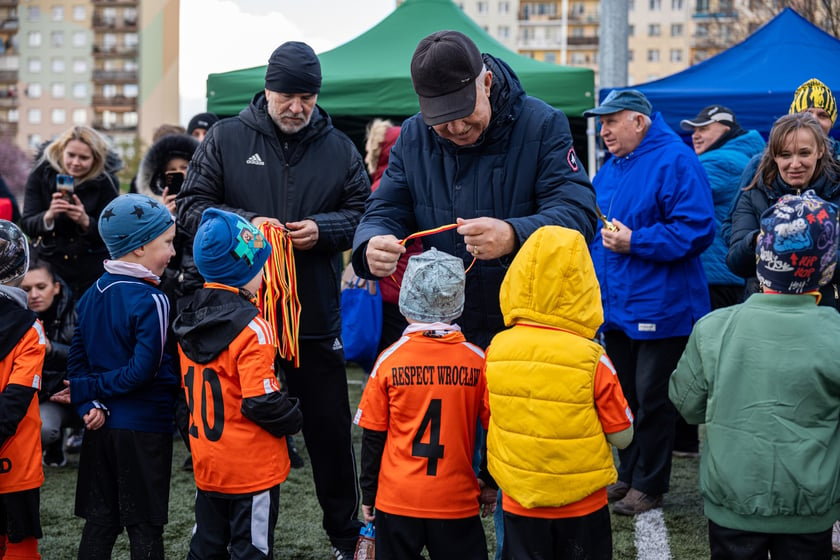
pixel 111 64
pixel 499 18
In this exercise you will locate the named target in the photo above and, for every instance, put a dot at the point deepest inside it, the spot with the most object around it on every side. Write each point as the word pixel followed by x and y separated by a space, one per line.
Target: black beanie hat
pixel 202 120
pixel 293 68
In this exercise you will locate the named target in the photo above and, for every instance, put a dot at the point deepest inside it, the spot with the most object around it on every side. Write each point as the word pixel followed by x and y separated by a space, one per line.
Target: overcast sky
pixel 221 35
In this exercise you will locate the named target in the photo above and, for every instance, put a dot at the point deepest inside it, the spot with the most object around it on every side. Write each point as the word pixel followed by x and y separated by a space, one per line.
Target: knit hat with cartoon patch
pixel 227 249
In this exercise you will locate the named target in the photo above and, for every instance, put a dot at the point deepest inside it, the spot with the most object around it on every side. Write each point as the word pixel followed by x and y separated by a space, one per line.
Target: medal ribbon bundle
pixel 279 292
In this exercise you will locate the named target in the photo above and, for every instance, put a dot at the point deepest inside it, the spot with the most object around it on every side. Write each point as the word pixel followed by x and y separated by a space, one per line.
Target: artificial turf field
pixel 678 533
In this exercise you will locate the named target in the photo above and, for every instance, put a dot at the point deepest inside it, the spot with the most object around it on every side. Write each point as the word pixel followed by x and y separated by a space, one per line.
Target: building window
pixel 34 65
pixel 57 38
pixel 702 30
pixel 550 57
pixel 631 30
pixel 578 59
pixel 34 141
pixel 79 13
pixel 483 9
pixel 130 40
pixel 130 66
pixel 702 7
pixel 654 30
pixel 33 38
pixel 34 13
pixel 130 118
pixel 676 30
pixel 655 5
pixel 676 55
pixel 57 65
pixel 34 116
pixel 630 56
pixel 677 5
pixel 504 32
pixel 131 90
pixel 59 116
pixel 80 66
pixel 57 13
pixel 79 90
pixel 725 6
pixel 504 7
pixel 653 55
pixel 79 38
pixel 109 90
pixel 130 16
pixel 33 91
pixel 80 116
pixel 58 90
pixel 631 5
pixel 109 41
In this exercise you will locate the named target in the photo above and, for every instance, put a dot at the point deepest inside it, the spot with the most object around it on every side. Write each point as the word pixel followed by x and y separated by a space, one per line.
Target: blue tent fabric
pixel 755 78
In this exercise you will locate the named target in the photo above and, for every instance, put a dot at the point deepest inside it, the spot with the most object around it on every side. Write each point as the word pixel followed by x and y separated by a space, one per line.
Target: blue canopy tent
pixel 755 78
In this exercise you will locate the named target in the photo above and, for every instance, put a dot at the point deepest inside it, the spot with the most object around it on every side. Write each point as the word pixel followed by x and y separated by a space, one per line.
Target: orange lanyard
pixel 424 233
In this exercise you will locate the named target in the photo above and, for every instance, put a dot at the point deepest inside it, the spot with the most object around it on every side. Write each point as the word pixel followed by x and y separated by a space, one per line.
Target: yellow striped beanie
pixel 814 93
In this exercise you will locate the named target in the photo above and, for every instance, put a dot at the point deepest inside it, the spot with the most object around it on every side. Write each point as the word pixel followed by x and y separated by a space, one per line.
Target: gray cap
pixel 433 287
pixel 620 100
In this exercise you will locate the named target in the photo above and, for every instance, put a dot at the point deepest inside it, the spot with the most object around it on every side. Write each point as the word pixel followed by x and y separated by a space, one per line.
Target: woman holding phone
pixel 65 193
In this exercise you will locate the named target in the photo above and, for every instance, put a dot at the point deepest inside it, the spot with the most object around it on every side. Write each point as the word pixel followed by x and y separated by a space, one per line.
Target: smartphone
pixel 65 185
pixel 173 180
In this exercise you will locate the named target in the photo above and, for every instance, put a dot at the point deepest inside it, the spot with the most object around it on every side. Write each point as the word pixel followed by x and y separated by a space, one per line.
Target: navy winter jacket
pixel 523 169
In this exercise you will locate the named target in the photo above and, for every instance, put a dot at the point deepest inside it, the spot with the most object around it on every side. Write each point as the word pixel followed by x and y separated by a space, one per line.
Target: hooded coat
pixel 244 166
pixel 546 446
pixel 523 170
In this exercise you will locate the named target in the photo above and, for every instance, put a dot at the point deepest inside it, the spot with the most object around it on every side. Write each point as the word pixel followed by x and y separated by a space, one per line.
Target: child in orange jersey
pixel 556 404
pixel 419 412
pixel 22 349
pixel 239 416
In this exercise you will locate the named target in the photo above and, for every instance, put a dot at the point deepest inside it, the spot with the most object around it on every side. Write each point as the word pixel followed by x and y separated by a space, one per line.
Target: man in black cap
pixel 281 160
pixel 724 149
pixel 483 154
pixel 480 152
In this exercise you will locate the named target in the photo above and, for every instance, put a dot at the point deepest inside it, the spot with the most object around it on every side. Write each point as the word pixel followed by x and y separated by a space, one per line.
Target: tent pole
pixel 591 156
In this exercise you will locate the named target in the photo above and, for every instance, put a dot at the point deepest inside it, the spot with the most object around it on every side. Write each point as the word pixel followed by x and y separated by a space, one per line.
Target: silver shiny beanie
pixel 433 287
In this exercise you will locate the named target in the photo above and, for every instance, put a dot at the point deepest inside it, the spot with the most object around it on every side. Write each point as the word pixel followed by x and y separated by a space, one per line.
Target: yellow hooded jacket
pixel 546 445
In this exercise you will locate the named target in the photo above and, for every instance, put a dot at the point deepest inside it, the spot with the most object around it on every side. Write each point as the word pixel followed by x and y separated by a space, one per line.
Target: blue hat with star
pixel 227 249
pixel 132 220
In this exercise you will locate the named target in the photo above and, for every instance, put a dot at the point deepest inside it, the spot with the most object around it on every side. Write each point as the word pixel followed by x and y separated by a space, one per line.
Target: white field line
pixel 652 536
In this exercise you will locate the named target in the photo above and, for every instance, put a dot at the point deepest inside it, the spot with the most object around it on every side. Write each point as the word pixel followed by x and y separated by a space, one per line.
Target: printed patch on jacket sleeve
pixel 571 159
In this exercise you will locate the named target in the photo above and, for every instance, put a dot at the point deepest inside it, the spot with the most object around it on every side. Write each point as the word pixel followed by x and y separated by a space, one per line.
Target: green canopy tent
pixel 369 76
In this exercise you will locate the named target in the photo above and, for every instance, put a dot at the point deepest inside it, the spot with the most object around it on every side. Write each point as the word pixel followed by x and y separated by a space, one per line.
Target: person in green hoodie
pixel 762 377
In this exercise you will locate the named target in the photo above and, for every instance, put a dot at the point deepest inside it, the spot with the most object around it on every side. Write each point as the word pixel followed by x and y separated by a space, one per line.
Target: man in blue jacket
pixel 653 287
pixel 482 154
pixel 724 149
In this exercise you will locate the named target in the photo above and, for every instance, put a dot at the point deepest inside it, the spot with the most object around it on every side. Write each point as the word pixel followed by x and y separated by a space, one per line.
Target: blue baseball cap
pixel 621 100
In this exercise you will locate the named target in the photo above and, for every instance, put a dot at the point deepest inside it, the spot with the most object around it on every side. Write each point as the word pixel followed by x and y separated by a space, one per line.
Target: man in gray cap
pixel 282 161
pixel 653 289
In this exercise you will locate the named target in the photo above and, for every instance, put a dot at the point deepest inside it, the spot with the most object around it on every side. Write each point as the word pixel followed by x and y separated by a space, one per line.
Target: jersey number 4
pixel 432 450
pixel 209 379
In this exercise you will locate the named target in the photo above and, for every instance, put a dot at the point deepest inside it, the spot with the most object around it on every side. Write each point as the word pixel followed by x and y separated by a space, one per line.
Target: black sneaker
pixel 343 554
pixel 295 459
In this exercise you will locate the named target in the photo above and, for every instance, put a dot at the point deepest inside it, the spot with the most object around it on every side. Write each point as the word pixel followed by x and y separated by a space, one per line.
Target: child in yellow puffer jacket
pixel 555 404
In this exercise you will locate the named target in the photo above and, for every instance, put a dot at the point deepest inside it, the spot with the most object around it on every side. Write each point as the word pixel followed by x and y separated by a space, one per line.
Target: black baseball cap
pixel 443 71
pixel 710 114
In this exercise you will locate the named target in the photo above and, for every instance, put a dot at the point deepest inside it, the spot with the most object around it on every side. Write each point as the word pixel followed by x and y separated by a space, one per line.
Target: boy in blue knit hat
pixel 124 384
pixel 228 359
pixel 763 378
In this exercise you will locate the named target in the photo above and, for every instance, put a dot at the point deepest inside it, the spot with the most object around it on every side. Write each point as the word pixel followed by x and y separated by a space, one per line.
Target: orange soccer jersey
pixel 232 454
pixel 427 391
pixel 20 456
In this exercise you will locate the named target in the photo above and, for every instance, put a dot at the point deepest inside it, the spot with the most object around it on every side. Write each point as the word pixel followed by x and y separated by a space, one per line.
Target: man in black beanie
pixel 282 161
